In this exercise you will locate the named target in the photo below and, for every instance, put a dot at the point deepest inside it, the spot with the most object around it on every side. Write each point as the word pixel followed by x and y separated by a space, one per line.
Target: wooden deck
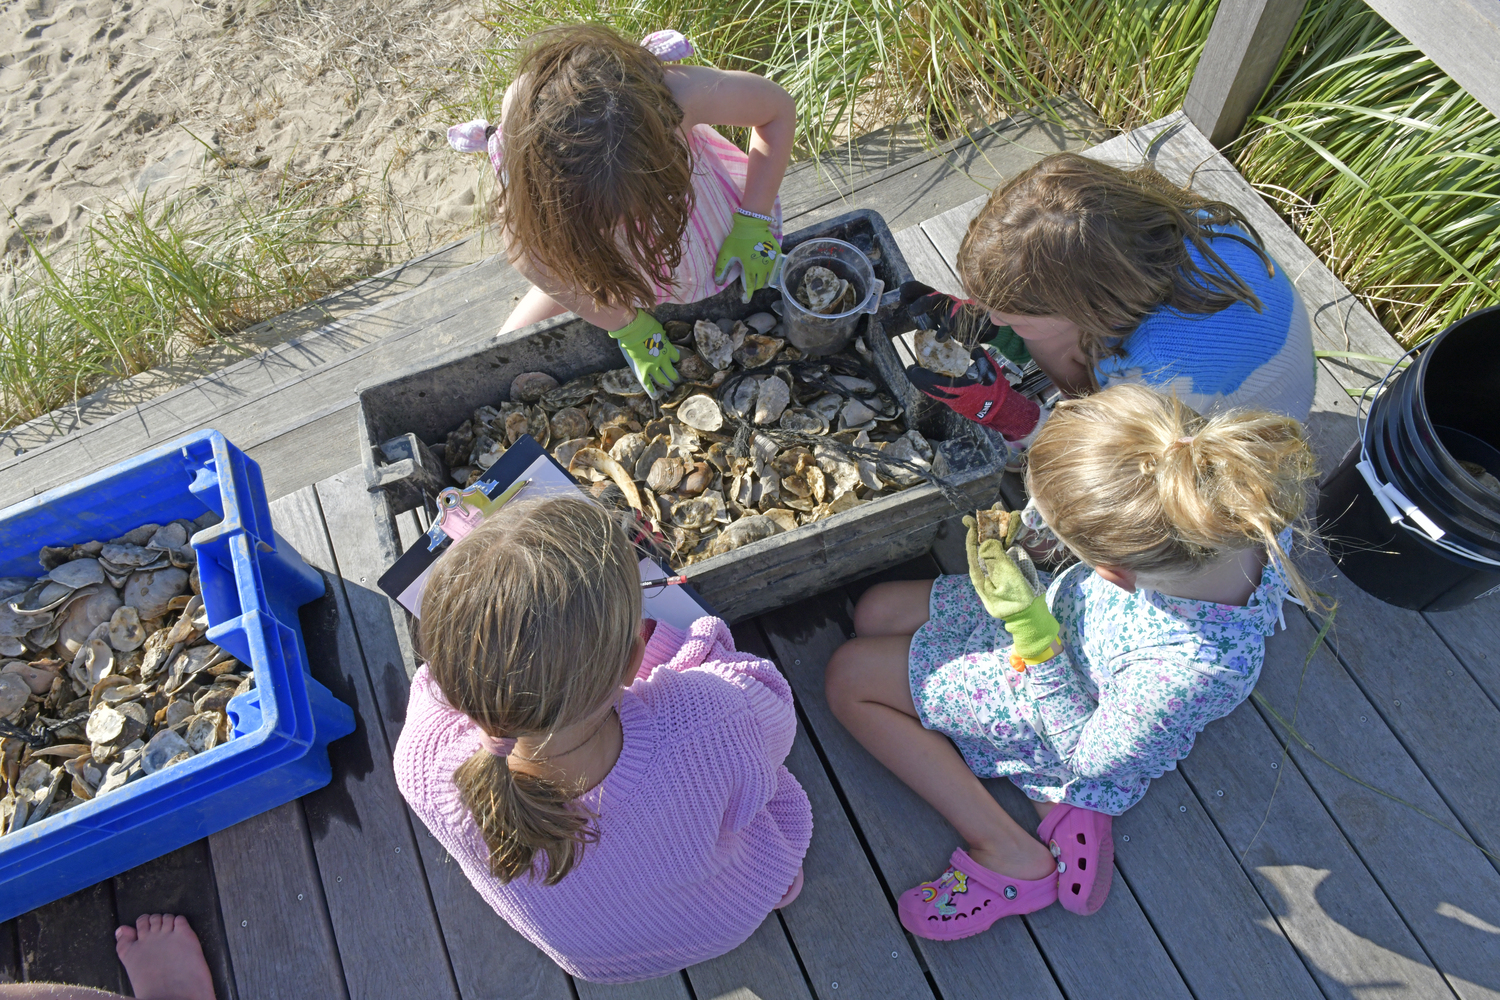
pixel 1335 861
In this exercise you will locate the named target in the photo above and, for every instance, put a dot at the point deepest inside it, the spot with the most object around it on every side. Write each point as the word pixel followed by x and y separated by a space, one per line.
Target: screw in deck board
pixel 1182 809
pixel 1220 793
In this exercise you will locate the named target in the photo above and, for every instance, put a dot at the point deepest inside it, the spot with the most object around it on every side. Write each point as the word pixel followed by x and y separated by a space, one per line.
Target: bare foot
pixel 164 959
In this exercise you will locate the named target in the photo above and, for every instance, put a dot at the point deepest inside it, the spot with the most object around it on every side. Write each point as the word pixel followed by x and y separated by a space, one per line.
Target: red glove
pixel 988 400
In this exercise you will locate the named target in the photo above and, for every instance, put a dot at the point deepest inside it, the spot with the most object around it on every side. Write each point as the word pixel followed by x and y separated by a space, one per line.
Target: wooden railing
pixel 1247 38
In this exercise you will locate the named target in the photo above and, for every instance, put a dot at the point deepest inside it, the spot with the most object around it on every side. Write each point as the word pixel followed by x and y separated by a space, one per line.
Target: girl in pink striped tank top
pixel 617 194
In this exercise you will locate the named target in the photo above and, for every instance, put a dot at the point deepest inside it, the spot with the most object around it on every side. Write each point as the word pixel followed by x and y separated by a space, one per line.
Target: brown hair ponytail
pixel 1128 477
pixel 529 625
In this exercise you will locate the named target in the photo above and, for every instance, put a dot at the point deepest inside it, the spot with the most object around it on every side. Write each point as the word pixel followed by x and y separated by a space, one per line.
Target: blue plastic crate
pixel 253 583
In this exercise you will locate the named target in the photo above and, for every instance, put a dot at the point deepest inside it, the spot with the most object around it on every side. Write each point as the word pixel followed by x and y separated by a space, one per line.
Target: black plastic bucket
pixel 1443 409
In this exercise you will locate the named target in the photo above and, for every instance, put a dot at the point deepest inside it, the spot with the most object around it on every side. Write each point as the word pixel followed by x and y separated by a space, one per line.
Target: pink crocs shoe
pixel 1080 841
pixel 968 898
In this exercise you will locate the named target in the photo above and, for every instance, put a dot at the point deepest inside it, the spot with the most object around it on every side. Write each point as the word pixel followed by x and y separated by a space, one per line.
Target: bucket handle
pixel 1397 505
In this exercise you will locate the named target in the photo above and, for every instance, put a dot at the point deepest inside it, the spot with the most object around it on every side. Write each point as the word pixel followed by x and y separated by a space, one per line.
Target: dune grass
pixel 151 280
pixel 1385 166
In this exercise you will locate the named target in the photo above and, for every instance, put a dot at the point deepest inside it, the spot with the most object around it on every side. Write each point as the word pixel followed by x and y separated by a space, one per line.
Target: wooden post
pixel 1244 45
pixel 1461 36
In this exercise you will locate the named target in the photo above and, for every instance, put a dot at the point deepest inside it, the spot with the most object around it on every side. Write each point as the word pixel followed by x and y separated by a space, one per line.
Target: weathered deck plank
pixel 764 967
pixel 1325 900
pixel 72 940
pixel 1436 881
pixel 367 855
pixel 281 940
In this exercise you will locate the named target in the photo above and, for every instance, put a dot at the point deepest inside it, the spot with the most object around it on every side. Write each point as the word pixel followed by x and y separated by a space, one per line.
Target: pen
pixel 670 581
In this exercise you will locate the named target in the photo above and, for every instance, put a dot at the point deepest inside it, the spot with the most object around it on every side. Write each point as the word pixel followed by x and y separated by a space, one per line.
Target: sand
pixel 105 99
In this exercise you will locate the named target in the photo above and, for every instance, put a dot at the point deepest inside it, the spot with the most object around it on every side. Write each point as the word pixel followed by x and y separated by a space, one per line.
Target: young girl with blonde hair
pixel 1102 276
pixel 613 788
pixel 1081 695
pixel 616 192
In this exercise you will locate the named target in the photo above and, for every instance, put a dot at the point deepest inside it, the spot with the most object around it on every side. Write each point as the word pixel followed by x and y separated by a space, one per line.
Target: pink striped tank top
pixel 719 168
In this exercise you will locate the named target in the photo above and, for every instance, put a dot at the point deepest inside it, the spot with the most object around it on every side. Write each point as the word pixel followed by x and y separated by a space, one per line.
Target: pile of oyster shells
pixel 106 674
pixel 755 440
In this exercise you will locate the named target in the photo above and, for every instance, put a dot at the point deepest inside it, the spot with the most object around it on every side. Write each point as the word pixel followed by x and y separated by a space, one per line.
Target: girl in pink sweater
pixel 613 788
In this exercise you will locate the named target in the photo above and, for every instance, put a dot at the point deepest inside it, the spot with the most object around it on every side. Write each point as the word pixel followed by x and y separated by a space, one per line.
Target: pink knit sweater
pixel 701 828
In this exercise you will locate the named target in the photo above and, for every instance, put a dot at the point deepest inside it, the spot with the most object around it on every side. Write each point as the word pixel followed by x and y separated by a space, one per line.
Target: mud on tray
pixel 757 440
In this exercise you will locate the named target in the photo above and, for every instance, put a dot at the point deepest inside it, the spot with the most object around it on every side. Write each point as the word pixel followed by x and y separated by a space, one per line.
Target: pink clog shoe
pixel 1080 840
pixel 968 898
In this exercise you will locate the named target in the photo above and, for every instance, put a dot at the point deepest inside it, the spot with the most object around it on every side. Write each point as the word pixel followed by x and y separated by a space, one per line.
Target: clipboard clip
pixel 461 510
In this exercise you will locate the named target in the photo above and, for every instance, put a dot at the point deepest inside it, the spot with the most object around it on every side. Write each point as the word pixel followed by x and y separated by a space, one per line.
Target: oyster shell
pixel 701 413
pixel 569 423
pixel 757 350
pixel 761 322
pixel 14 693
pixel 78 573
pixel 622 382
pixel 945 355
pixel 530 387
pixel 713 344
pixel 148 591
pixel 666 473
pixel 125 629
pixel 160 750
pixel 771 399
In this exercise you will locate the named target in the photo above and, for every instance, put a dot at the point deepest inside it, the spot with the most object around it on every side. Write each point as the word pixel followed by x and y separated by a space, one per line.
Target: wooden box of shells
pixel 773 476
pixel 153 683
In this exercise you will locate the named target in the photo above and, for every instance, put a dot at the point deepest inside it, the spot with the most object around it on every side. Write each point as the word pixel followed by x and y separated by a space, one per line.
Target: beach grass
pixel 151 280
pixel 1385 166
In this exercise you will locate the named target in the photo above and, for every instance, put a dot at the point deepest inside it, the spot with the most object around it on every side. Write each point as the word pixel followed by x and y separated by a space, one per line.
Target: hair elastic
pixel 1186 440
pixel 499 746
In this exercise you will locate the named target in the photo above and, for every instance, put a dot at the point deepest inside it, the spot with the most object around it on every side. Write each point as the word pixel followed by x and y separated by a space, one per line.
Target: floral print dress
pixel 1139 677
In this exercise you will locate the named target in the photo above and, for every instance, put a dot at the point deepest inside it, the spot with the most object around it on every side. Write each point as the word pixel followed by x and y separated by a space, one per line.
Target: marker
pixel 670 581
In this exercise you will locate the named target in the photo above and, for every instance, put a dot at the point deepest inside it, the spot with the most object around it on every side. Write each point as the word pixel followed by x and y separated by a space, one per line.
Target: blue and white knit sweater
pixel 1233 358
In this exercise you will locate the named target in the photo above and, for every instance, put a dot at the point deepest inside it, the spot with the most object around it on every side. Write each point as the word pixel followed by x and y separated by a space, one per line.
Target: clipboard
pixel 679 605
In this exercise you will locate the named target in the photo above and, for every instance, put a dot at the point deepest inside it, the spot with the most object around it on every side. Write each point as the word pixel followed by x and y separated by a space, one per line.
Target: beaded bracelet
pixel 754 215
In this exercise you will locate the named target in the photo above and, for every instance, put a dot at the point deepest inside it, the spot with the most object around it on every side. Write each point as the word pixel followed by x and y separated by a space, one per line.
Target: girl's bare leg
pixel 53 991
pixel 898 608
pixel 535 305
pixel 869 691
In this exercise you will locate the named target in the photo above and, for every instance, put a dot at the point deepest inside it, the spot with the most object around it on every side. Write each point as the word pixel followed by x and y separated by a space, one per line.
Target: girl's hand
pixel 645 345
pixel 750 242
pixel 1007 594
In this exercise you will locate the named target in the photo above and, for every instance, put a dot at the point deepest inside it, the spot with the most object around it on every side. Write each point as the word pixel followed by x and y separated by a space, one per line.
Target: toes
pixel 143 923
pixel 125 934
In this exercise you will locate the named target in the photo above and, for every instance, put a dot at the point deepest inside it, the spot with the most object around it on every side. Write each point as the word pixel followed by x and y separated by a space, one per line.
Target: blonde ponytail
pixel 1128 477
pixel 529 625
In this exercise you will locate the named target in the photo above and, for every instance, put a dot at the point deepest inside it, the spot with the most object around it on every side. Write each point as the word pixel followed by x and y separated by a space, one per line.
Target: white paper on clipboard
pixel 672 605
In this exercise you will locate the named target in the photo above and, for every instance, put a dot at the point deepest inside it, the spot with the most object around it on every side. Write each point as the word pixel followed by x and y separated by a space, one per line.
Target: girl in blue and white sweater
pixel 1105 276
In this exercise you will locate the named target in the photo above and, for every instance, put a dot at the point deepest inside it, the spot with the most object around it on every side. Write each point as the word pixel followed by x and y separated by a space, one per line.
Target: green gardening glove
pixel 750 242
pixel 1007 594
pixel 645 345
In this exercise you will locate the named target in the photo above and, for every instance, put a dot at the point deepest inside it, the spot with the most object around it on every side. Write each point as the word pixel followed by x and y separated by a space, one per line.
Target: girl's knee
pixel 895 608
pixel 841 678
